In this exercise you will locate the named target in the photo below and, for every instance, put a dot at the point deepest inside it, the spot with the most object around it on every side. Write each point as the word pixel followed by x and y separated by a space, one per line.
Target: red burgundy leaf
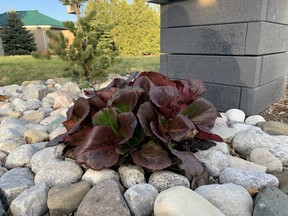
pixel 152 156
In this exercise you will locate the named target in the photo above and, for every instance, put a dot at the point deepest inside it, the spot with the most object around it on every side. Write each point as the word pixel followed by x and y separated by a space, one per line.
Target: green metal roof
pixel 33 18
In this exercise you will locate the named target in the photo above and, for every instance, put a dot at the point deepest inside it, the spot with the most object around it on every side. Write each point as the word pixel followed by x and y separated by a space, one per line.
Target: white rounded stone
pixel 235 115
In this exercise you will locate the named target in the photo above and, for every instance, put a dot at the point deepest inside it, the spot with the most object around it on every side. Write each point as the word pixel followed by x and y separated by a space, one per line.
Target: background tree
pixel 17 40
pixel 136 25
pixel 92 50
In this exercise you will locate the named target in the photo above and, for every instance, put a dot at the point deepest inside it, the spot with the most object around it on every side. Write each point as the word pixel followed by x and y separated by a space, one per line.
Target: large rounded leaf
pixel 202 113
pixel 145 115
pixel 165 99
pixel 180 128
pixel 128 123
pixel 152 156
pixel 158 79
pixel 76 115
pixel 97 150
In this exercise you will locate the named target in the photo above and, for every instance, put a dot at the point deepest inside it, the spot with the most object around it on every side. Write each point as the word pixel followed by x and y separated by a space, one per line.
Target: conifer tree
pixel 92 50
pixel 17 40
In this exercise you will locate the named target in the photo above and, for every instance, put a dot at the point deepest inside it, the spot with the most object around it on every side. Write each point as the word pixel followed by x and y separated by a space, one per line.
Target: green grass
pixel 16 69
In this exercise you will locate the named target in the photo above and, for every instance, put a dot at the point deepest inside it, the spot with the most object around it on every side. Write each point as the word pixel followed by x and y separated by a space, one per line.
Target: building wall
pixel 238 48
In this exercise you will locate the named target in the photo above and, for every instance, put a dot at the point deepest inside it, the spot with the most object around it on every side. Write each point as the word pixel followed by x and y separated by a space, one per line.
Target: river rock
pixel 15 181
pixel 163 180
pixel 215 161
pixel 227 134
pixel 71 87
pixel 283 180
pixel 265 158
pixel 271 201
pixel 46 157
pixel 20 157
pixel 140 199
pixel 63 172
pixel 94 177
pixel 64 199
pixel 34 91
pixel 274 128
pixel 235 162
pixel 254 119
pixel 32 201
pixel 251 181
pixel 10 145
pixel 131 175
pixel 182 201
pixel 231 199
pixel 105 198
pixel 33 117
pixel 235 115
pixel 35 136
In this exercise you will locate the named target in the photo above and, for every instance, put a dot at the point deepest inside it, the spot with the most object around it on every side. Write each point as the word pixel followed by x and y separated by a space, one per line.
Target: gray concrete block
pixel 216 39
pixel 223 97
pixel 277 11
pixel 227 70
pixel 265 38
pixel 164 16
pixel 200 12
pixel 254 100
pixel 273 67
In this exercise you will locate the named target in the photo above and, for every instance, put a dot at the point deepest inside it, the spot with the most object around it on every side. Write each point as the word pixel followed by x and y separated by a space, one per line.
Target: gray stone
pixel 244 142
pixel 63 172
pixel 131 175
pixel 35 136
pixel 48 102
pixel 244 127
pixel 163 180
pixel 32 201
pixel 225 69
pixel 46 157
pixel 271 201
pixel 254 119
pixel 227 134
pixel 215 161
pixel 12 121
pixel 251 181
pixel 55 123
pixel 220 146
pixel 11 128
pixel 71 87
pixel 140 199
pixel 274 128
pixel 8 133
pixel 3 170
pixel 182 201
pixel 22 106
pixel 34 91
pixel 51 119
pixel 239 163
pixel 37 127
pixel 65 199
pixel 105 198
pixel 15 181
pixel 231 199
pixel 2 156
pixel 33 117
pixel 94 177
pixel 187 13
pixel 214 39
pixel 20 157
pixel 39 146
pixel 58 131
pixel 265 158
pixel 10 145
pixel 235 115
pixel 63 101
pixel 265 38
pixel 254 100
pixel 283 180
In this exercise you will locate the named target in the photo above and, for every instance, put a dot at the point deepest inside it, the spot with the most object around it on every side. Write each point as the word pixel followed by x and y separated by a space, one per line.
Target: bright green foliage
pixel 92 50
pixel 136 25
pixel 17 40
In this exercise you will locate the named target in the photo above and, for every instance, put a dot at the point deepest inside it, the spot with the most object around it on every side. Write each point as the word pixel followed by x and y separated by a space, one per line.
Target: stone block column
pixel 238 48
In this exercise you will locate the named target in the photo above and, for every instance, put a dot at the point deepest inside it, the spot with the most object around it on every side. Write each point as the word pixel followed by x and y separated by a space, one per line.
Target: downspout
pixel 44 38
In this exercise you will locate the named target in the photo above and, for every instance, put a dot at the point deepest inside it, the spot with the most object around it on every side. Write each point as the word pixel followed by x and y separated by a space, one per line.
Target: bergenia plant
pixel 148 120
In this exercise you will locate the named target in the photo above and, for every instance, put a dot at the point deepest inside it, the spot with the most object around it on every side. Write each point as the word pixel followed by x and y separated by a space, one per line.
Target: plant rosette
pixel 148 120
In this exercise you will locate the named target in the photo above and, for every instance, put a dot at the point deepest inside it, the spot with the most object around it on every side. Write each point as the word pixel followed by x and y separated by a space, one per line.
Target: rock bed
pixel 248 169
